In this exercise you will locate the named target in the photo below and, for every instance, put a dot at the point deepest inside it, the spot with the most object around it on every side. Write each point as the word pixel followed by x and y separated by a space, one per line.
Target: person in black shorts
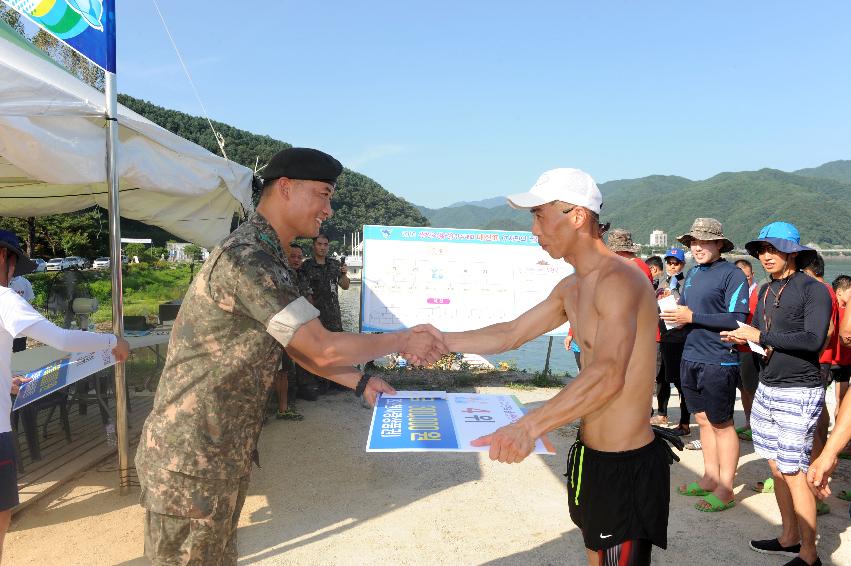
pixel 714 298
pixel 617 496
pixel 842 372
pixel 620 470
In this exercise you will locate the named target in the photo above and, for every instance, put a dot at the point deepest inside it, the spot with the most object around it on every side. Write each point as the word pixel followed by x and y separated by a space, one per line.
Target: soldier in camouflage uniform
pixel 197 445
pixel 323 274
pixel 286 382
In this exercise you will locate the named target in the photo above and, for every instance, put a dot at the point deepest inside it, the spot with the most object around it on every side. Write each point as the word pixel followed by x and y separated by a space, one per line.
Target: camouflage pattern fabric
pixel 196 448
pixel 221 361
pixel 206 538
pixel 303 286
pixel 323 280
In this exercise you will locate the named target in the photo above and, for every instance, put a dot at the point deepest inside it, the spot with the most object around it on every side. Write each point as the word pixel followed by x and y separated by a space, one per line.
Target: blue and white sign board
pixel 452 278
pixel 436 421
pixel 61 373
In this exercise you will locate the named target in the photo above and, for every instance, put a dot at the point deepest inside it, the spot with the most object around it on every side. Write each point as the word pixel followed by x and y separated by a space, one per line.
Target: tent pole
pixel 121 427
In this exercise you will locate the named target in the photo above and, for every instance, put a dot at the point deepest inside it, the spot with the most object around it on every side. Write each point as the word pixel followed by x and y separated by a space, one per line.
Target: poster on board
pixel 61 373
pixel 436 421
pixel 455 279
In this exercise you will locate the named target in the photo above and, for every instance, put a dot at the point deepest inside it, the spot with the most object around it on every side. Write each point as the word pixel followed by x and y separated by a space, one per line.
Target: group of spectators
pixel 319 278
pixel 780 343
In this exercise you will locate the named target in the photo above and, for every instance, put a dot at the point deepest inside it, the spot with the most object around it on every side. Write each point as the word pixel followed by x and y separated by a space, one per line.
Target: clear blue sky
pixel 444 101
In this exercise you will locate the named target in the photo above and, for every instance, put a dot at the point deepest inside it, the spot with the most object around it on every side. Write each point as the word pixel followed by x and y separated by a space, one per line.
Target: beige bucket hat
pixel 706 229
pixel 620 240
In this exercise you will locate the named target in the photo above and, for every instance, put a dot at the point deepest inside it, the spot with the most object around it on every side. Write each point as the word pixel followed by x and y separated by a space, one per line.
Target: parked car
pixel 101 263
pixel 59 264
pixel 40 264
pixel 76 262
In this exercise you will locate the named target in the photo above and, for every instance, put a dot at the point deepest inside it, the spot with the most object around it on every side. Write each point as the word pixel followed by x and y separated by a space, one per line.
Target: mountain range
pixel 817 200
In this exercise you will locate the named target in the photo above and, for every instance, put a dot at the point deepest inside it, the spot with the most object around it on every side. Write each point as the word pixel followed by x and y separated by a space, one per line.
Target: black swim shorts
pixel 620 496
pixel 710 389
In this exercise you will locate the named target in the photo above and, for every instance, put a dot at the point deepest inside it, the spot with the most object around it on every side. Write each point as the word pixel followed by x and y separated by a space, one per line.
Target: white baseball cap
pixel 564 184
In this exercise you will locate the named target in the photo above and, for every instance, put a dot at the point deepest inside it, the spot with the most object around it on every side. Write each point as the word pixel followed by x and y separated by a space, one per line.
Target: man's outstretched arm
pixel 823 466
pixel 496 338
pixel 598 382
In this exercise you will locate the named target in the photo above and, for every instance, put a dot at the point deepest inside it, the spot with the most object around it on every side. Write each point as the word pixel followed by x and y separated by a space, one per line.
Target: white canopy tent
pixel 53 154
pixel 55 134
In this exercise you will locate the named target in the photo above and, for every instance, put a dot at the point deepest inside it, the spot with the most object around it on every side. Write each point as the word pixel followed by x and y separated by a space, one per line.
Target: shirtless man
pixel 619 475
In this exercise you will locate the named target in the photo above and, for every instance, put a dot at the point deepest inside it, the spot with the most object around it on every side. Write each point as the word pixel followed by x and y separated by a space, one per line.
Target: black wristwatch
pixel 361 387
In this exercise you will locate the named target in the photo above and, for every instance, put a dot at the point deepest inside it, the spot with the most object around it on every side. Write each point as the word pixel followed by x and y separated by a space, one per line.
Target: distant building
pixel 177 252
pixel 658 239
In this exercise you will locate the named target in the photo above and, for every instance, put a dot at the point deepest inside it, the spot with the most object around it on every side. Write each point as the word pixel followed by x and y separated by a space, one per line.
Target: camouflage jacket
pixel 323 280
pixel 222 358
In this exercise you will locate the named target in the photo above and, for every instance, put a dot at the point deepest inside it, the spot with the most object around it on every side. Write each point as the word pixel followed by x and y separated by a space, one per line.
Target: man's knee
pixel 701 419
pixel 775 471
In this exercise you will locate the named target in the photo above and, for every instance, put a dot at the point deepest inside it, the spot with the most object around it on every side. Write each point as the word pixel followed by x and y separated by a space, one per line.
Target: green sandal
pixel 289 415
pixel 766 486
pixel 715 504
pixel 693 490
pixel 844 495
pixel 822 508
pixel 746 434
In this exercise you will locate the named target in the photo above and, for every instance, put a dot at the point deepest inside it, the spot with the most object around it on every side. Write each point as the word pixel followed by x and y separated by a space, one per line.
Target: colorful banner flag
pixel 87 26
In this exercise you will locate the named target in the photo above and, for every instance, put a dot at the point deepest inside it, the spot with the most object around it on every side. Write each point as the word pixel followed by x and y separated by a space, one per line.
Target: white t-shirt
pixel 23 287
pixel 16 315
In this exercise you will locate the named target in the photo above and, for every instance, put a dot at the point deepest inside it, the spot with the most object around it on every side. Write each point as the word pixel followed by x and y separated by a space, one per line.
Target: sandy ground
pixel 320 499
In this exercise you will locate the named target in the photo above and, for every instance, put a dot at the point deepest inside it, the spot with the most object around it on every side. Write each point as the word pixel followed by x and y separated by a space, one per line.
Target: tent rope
pixel 220 139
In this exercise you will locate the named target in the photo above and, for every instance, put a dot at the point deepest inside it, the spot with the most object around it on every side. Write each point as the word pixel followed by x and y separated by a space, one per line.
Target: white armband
pixel 283 325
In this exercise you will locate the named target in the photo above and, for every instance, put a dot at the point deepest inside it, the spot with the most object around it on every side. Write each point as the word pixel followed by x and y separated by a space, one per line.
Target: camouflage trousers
pixel 191 521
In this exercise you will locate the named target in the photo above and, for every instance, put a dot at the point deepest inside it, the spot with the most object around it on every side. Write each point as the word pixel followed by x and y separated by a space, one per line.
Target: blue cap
pixel 784 237
pixel 10 241
pixel 676 253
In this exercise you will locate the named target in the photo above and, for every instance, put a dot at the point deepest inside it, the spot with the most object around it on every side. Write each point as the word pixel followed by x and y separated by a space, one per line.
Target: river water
pixel 532 355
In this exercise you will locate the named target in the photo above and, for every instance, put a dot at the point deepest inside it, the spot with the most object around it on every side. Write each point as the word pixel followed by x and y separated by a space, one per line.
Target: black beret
pixel 304 164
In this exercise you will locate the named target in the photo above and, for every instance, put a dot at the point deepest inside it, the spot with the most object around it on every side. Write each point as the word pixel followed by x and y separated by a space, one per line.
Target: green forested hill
pixel 744 202
pixel 817 200
pixel 358 200
pixel 836 170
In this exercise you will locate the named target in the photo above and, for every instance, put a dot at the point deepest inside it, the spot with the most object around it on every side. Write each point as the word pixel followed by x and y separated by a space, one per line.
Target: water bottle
pixel 111 439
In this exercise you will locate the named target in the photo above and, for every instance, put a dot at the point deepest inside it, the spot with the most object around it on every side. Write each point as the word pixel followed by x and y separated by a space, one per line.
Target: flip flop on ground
pixel 766 486
pixel 715 505
pixel 693 490
pixel 822 508
pixel 844 495
pixel 746 435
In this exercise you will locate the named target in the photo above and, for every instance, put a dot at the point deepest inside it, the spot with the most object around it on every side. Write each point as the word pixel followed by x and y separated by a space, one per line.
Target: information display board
pixel 436 421
pixel 452 278
pixel 61 373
